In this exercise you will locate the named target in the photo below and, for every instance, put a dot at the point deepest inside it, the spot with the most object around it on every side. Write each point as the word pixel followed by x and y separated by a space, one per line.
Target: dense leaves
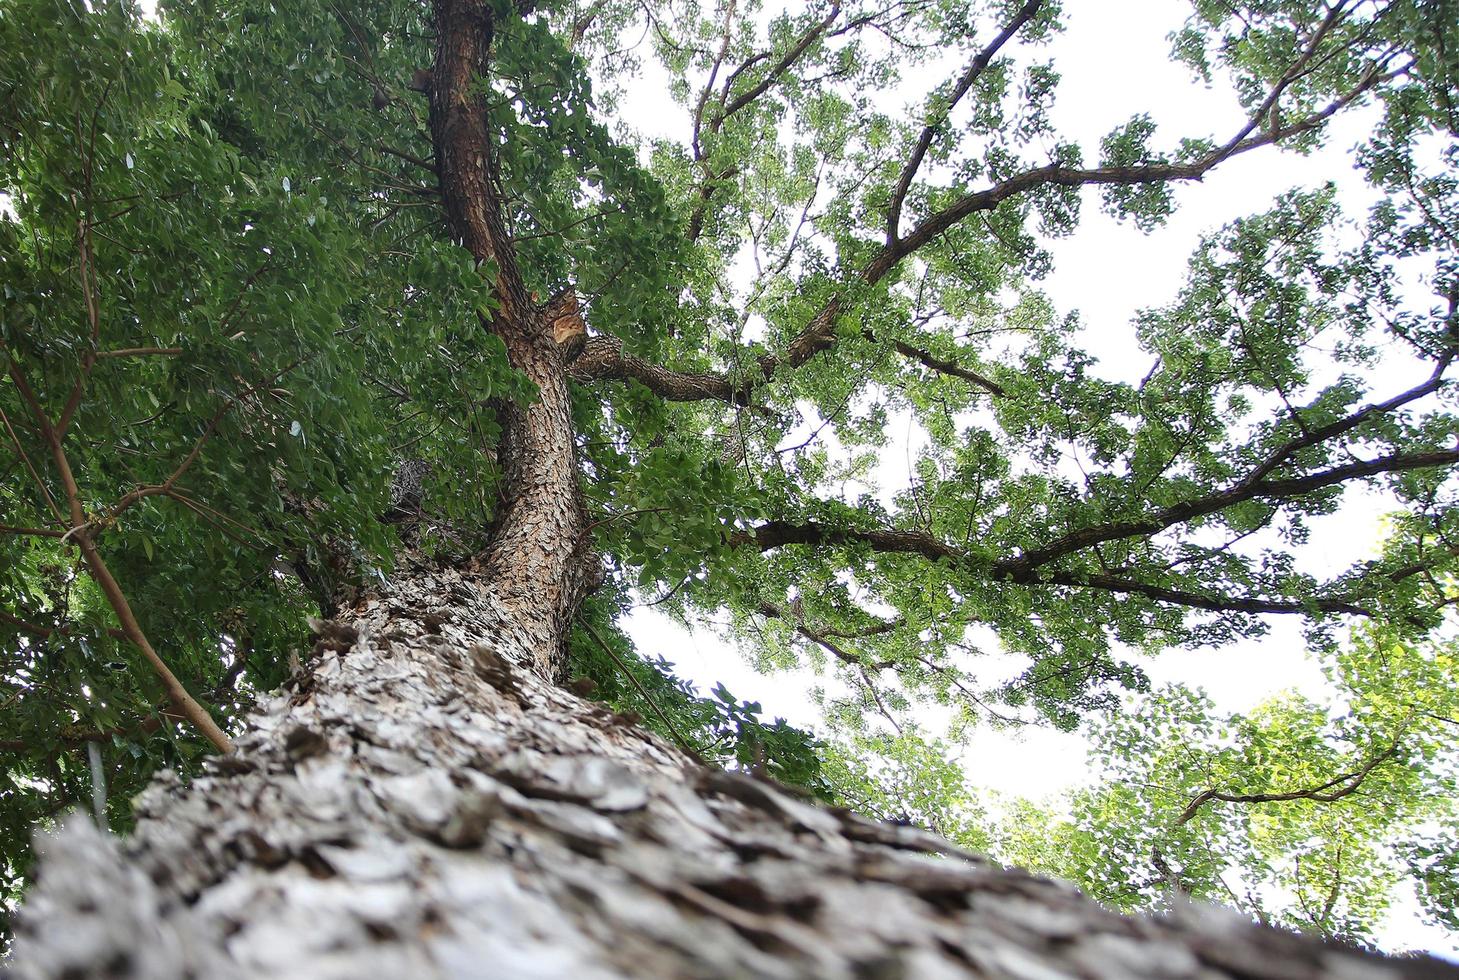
pixel 230 305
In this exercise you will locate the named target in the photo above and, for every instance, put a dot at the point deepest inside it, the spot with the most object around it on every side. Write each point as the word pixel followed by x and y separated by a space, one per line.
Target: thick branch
pixel 1024 570
pixel 604 359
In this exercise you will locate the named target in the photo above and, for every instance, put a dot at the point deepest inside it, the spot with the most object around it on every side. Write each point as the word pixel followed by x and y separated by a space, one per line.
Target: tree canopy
pixel 232 301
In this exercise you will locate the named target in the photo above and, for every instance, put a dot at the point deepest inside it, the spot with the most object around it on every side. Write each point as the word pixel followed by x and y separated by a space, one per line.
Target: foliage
pixel 229 304
pixel 905 779
pixel 1322 808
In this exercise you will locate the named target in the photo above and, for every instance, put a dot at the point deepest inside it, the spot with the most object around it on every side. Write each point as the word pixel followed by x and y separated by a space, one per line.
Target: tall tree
pixel 257 257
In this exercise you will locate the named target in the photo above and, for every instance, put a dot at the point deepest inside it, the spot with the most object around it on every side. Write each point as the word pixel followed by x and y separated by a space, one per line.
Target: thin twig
pixel 678 737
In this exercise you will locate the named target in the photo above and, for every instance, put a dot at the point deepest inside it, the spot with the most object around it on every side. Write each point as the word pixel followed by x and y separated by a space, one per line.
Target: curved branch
pixel 183 701
pixel 820 333
pixel 929 132
pixel 1056 174
pixel 1023 566
pixel 941 365
pixel 1329 792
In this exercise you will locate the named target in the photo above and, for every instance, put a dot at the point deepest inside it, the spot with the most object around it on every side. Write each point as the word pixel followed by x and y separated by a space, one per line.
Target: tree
pixel 254 257
pixel 1298 813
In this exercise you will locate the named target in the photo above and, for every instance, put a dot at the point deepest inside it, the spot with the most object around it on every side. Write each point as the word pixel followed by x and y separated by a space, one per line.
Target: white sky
pixel 1113 62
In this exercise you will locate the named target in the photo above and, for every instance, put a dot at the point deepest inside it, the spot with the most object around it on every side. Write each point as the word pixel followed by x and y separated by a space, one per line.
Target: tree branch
pixel 826 639
pixel 820 333
pixel 184 702
pixel 1325 793
pixel 1186 511
pixel 924 142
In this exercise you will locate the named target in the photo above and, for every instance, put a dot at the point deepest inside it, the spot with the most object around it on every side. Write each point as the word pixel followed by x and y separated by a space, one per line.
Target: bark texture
pixel 539 541
pixel 420 803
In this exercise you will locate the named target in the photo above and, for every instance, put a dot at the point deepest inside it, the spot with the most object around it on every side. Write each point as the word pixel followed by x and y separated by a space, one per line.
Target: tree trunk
pixel 422 803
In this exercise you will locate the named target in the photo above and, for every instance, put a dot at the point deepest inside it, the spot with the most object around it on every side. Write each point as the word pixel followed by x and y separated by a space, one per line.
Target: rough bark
pixel 539 541
pixel 420 803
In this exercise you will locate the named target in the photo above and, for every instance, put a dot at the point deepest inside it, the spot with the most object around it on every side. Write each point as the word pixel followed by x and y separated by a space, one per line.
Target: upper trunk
pixel 421 804
pixel 539 541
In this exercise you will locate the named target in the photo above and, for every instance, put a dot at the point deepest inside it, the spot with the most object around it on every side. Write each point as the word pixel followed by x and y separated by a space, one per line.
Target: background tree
pixel 255 256
pixel 1297 813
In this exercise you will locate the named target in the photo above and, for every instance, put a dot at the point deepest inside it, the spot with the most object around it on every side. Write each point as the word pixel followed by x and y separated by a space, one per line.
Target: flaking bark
pixel 421 804
pixel 538 554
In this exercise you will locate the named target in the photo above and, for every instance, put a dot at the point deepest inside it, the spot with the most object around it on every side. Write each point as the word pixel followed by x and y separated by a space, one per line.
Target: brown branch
pixel 729 107
pixel 875 697
pixel 21 624
pixel 778 534
pixel 1056 174
pixel 93 316
pixel 39 532
pixel 101 574
pixel 407 157
pixel 941 365
pixel 1024 569
pixel 790 58
pixel 76 739
pixel 1325 793
pixel 643 693
pixel 974 70
pixel 605 359
pixel 584 23
pixel 726 33
pixel 820 334
pixel 140 352
pixel 826 639
pixel 20 451
pixel 1189 510
pixel 1193 600
pixel 165 488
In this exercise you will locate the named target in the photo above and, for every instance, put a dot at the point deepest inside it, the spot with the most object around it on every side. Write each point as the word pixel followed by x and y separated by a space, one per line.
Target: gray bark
pixel 421 803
